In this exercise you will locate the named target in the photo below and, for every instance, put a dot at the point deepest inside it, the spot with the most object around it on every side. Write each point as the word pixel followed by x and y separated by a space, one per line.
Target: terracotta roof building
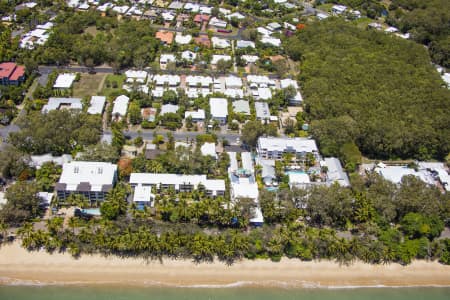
pixel 11 74
pixel 165 36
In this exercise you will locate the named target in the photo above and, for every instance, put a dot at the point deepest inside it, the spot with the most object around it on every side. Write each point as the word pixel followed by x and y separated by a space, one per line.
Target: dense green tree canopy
pixel 57 132
pixel 382 88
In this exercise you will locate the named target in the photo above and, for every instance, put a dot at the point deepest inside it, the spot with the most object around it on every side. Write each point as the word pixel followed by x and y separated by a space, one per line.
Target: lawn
pixel 112 83
pixel 89 85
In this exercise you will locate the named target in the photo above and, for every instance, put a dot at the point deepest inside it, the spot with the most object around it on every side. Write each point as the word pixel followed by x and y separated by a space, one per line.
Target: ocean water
pixel 19 292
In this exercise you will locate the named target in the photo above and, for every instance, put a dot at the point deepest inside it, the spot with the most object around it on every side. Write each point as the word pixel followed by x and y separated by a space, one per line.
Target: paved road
pixel 180 136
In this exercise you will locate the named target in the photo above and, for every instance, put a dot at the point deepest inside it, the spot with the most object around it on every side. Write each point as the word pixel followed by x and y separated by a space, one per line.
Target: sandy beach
pixel 18 266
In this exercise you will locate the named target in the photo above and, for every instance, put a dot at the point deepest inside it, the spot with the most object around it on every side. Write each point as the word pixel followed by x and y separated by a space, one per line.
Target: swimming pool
pixel 295 172
pixel 272 188
pixel 91 211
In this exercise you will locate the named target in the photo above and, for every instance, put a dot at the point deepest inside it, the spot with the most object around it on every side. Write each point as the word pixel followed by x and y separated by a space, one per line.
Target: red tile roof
pixel 6 69
pixel 200 18
pixel 165 36
pixel 18 72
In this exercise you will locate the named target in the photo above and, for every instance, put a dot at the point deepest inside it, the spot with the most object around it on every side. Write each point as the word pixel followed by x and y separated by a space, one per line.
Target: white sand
pixel 19 265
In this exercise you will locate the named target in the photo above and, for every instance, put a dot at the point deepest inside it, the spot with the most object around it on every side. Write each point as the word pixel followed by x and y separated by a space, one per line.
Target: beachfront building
pixel 179 183
pixel 90 179
pixel 274 148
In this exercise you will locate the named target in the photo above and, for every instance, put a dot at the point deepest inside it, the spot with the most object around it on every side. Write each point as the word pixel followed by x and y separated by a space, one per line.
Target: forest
pixel 371 89
pixel 428 22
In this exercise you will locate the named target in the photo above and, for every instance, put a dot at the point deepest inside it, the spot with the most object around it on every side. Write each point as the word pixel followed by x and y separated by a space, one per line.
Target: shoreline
pixel 20 267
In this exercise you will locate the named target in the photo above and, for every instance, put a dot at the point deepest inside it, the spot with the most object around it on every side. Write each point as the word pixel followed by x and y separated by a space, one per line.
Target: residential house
pixel 64 81
pixel 188 55
pixel 166 37
pixel 90 179
pixel 271 41
pixel 120 107
pixel 176 5
pixel 149 114
pixel 169 108
pixel 216 57
pixel 11 74
pixel 338 9
pixel 97 105
pixel 219 109
pixel 262 111
pixel 196 116
pixel 335 173
pixel 220 43
pixel 274 26
pixel 241 107
pixel 209 149
pixel 245 44
pixel 183 39
pixel 62 103
pixel 215 22
pixel 200 18
pixel 165 59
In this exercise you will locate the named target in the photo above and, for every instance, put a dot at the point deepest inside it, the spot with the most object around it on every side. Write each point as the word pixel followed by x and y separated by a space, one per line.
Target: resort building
pixel 274 148
pixel 90 179
pixel 179 182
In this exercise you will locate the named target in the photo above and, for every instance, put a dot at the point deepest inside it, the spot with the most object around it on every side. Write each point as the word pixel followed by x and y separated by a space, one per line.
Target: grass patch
pixel 88 85
pixel 325 7
pixel 112 83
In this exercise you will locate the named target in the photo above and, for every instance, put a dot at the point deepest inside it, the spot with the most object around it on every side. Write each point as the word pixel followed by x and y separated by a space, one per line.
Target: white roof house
pixel 169 108
pixel 220 43
pixel 62 103
pixel 236 15
pixel 241 106
pixel 179 181
pixel 262 110
pixel 335 172
pixel 234 93
pixel 217 23
pixel 183 39
pixel 264 31
pixel 207 10
pixel 271 41
pixel 121 9
pixel 176 5
pixel 250 58
pixel 264 93
pixel 284 83
pixel 195 115
pixel 274 26
pixel 247 162
pixel 194 81
pixel 97 105
pixel 188 55
pixel 135 75
pixel 97 174
pixel 192 7
pixel 322 16
pixel 300 180
pixel 165 59
pixel 143 195
pixel 233 82
pixel 245 44
pixel 396 173
pixel 218 108
pixel 338 9
pixel 244 189
pixel 260 80
pixel 217 57
pixel 171 80
pixel 209 149
pixel 168 16
pixel 120 106
pixel 64 81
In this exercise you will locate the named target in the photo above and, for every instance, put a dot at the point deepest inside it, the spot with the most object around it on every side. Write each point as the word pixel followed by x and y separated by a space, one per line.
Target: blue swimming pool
pixel 91 211
pixel 295 172
pixel 272 188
